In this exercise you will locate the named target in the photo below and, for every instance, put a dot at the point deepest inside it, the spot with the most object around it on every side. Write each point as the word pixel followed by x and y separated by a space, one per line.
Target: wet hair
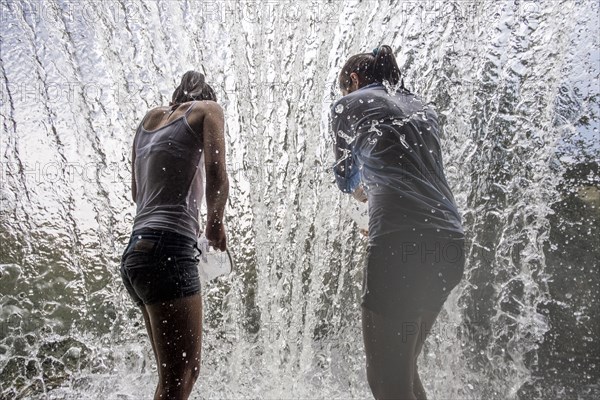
pixel 377 66
pixel 193 86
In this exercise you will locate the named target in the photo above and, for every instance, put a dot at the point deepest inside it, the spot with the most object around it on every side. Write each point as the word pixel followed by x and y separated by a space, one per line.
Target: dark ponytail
pixel 378 66
pixel 193 86
pixel 385 67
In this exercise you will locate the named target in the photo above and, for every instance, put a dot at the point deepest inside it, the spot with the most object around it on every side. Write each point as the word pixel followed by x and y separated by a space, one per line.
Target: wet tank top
pixel 169 169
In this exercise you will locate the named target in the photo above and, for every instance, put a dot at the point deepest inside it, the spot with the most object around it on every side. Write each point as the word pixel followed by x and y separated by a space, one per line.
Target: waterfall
pixel 511 82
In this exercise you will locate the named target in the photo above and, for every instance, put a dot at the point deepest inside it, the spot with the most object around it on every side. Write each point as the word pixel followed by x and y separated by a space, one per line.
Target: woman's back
pixel 394 142
pixel 168 168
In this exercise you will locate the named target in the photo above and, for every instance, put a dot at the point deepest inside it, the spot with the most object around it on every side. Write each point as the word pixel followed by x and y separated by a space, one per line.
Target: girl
pixel 388 152
pixel 159 266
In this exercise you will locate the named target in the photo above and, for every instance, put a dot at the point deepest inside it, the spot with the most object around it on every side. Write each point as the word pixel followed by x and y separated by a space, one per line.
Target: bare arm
pixel 217 182
pixel 133 184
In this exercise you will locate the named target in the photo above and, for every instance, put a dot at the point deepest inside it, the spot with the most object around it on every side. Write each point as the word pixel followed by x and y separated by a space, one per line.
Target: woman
pixel 159 266
pixel 388 151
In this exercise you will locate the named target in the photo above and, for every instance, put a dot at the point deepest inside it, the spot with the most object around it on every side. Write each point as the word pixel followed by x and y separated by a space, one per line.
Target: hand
pixel 215 234
pixel 360 195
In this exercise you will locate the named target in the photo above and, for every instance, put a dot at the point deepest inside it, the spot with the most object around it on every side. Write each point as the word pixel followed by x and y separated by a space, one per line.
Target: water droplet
pixel 339 109
pixel 184 354
pixel 568 295
pixel 164 169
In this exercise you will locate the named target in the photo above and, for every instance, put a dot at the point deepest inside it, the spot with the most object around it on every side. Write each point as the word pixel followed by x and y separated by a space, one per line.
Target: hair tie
pixel 375 51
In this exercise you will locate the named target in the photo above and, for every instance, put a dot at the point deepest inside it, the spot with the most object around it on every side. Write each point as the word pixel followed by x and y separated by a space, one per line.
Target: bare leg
pixel 176 331
pixel 149 329
pixel 390 345
pixel 427 320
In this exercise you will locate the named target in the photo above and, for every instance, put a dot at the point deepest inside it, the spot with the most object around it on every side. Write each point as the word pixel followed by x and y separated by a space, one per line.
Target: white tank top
pixel 169 175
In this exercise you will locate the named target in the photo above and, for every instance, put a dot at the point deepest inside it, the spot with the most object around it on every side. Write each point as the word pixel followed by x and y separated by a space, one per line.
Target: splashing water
pixel 511 82
pixel 392 89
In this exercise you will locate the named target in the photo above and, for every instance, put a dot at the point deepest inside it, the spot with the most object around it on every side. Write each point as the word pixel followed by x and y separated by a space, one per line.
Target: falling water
pixel 515 84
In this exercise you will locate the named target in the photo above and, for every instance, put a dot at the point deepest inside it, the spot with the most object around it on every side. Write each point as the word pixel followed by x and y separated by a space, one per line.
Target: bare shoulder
pixel 154 115
pixel 211 108
pixel 205 111
pixel 157 111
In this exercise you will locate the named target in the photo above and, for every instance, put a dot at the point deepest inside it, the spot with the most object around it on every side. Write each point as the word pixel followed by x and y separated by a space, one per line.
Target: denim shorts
pixel 411 273
pixel 159 266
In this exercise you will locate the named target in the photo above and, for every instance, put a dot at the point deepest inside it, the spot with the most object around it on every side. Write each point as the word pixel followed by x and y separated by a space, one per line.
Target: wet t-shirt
pixel 390 144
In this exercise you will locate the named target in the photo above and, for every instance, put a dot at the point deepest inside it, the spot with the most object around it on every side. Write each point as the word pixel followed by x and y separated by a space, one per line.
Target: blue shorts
pixel 409 273
pixel 159 266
